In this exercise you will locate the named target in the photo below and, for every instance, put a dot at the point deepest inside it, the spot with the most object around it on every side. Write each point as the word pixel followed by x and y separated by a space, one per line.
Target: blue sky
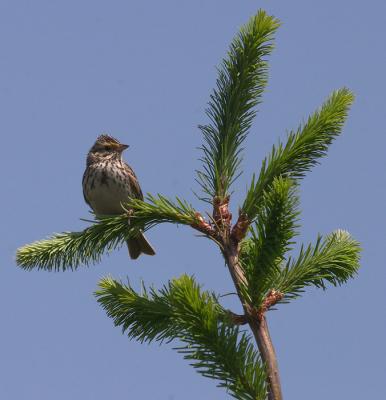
pixel 142 71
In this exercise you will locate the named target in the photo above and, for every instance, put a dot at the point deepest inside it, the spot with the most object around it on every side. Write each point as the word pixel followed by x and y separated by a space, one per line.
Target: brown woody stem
pixel 229 240
pixel 257 322
pixel 268 355
pixel 237 319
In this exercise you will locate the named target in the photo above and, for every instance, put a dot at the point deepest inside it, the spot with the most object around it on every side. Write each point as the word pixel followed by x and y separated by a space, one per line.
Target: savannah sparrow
pixel 107 184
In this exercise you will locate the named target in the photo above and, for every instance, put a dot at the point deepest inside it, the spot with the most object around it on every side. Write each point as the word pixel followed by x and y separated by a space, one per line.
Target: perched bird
pixel 108 182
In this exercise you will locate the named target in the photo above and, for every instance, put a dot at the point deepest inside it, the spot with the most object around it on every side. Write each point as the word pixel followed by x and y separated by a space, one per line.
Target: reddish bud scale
pixel 202 225
pixel 221 214
pixel 270 300
pixel 240 228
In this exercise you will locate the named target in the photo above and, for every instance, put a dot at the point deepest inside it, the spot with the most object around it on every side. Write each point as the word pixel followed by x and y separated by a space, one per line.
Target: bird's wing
pixel 85 177
pixel 136 189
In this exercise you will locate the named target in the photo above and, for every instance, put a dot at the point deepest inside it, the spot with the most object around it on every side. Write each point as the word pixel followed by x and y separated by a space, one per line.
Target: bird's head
pixel 106 148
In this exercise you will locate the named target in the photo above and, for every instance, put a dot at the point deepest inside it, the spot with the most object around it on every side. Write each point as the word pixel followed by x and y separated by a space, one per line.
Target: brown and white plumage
pixel 107 184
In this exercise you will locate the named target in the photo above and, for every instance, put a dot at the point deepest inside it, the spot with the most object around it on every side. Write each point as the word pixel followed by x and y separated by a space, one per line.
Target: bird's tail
pixel 139 245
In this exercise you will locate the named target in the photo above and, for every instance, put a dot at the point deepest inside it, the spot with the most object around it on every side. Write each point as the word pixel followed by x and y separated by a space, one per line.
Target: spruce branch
pixel 241 81
pixel 156 210
pixel 303 148
pixel 69 250
pixel 333 260
pixel 182 311
pixel 271 237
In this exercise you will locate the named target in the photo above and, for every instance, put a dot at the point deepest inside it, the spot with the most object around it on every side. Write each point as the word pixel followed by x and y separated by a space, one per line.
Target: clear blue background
pixel 142 71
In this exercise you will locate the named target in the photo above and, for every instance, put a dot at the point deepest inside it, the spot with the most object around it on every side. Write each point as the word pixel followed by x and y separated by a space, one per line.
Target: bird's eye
pixel 107 148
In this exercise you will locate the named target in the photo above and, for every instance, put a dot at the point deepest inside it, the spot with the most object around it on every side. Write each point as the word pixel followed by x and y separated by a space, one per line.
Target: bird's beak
pixel 123 147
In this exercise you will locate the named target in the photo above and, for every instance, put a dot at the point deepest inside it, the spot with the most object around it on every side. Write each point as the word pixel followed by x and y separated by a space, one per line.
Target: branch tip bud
pixel 221 214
